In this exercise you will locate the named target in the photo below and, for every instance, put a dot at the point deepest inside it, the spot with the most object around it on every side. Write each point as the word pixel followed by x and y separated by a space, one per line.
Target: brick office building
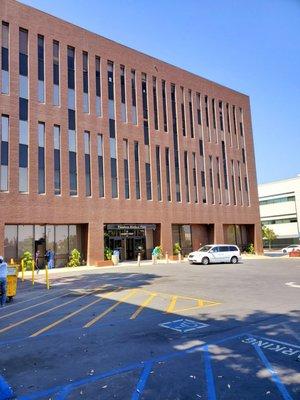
pixel 104 146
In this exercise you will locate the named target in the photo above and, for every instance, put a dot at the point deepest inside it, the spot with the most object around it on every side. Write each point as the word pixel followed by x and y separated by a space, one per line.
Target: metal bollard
pixel 22 269
pixel 167 258
pixel 139 260
pixel 32 272
pixel 179 257
pixel 153 260
pixel 47 277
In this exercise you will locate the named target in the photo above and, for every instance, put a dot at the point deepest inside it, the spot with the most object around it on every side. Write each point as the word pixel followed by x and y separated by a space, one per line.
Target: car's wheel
pixel 234 260
pixel 205 261
pixel 191 262
pixel 284 251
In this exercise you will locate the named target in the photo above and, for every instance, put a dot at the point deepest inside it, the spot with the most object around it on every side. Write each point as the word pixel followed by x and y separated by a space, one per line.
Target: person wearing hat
pixel 3 281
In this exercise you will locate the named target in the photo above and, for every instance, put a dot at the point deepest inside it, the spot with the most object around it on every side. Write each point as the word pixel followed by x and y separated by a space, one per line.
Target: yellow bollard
pixel 32 272
pixel 22 269
pixel 167 258
pixel 12 261
pixel 139 260
pixel 47 277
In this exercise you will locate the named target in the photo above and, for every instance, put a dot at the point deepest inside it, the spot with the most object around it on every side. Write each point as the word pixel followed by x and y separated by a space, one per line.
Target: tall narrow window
pixel 100 165
pixel 72 122
pixel 241 122
pixel 203 185
pixel 112 130
pixel 199 116
pixel 155 103
pixel 123 93
pixel 87 162
pixel 221 115
pixel 158 173
pixel 243 156
pixel 233 182
pixel 219 180
pixel 41 157
pixel 23 110
pixel 133 98
pixel 234 119
pixel 182 112
pixel 201 147
pixel 240 183
pixel 4 150
pixel 85 81
pixel 211 181
pixel 191 113
pixel 98 85
pixel 168 174
pixel 57 168
pixel 247 191
pixel 55 94
pixel 195 178
pixel 224 161
pixel 164 101
pixel 126 169
pixel 228 118
pixel 146 138
pixel 213 106
pixel 206 111
pixel 137 171
pixel 186 177
pixel 5 58
pixel 175 142
pixel 41 69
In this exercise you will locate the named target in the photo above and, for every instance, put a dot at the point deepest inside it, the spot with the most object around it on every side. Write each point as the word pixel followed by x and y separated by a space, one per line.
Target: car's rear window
pixel 233 248
pixel 224 248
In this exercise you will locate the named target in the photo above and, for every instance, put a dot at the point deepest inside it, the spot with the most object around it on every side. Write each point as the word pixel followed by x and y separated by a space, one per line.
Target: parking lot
pixel 166 331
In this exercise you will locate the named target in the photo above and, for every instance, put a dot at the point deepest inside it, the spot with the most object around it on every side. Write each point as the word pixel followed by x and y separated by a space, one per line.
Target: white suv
pixel 216 253
pixel 292 247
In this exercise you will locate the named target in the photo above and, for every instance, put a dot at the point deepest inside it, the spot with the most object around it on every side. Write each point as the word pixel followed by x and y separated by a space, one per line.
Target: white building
pixel 279 204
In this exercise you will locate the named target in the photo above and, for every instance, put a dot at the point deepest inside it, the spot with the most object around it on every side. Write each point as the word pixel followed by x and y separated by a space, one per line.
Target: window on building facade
pixel 164 101
pixel 87 162
pixel 112 130
pixel 4 152
pixel 203 185
pixel 57 162
pixel 72 163
pixel 218 181
pixel 158 173
pixel 146 138
pixel 155 103
pixel 243 155
pixel 182 112
pixel 123 93
pixel 85 81
pixel 5 58
pixel 137 171
pixel 98 86
pixel 199 116
pixel 228 118
pixel 241 122
pixel 23 110
pixel 56 91
pixel 41 69
pixel 221 115
pixel 191 113
pixel 133 98
pixel 206 111
pixel 186 177
pixel 41 158
pixel 211 181
pixel 168 175
pixel 233 182
pixel 213 107
pixel 126 169
pixel 100 165
pixel 234 119
pixel 194 170
pixel 175 142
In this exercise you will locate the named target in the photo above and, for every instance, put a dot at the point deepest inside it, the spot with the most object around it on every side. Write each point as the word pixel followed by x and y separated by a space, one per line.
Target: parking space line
pixel 172 304
pixel 6 391
pixel 50 326
pixel 211 391
pixel 107 311
pixel 143 305
pixel 275 378
pixel 142 381
pixel 9 327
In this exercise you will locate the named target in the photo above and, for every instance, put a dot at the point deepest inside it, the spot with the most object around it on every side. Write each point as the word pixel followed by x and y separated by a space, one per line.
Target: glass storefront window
pixel 50 237
pixel 25 239
pixel 72 238
pixel 61 239
pixel 10 242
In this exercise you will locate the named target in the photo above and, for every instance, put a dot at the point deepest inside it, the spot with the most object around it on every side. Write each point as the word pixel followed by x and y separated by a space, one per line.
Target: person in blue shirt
pixel 50 258
pixel 3 281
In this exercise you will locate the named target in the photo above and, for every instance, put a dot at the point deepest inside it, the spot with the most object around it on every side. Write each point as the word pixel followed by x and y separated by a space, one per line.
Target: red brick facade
pixel 48 208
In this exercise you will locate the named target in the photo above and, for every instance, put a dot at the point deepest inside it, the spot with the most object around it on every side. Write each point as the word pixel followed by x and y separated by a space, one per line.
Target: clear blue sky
pixel 252 46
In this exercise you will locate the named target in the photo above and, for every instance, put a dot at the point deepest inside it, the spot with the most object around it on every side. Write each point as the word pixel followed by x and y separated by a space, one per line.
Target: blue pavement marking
pixel 276 341
pixel 183 325
pixel 142 381
pixel 211 391
pixel 275 378
pixel 6 391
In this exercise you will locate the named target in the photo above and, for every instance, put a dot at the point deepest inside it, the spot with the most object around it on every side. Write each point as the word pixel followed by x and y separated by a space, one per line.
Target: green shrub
pixel 176 249
pixel 108 253
pixel 250 248
pixel 27 259
pixel 74 259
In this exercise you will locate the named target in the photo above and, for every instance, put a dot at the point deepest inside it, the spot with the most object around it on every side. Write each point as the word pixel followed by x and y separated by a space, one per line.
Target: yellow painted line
pixel 7 328
pixel 143 305
pixel 162 294
pixel 172 304
pixel 94 320
pixel 201 304
pixel 48 327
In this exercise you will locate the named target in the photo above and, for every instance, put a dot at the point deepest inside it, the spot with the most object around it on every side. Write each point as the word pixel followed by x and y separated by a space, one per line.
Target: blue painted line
pixel 142 381
pixel 211 390
pixel 6 391
pixel 275 378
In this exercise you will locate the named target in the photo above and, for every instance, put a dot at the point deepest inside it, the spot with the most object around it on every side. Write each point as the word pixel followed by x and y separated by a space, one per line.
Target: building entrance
pixel 128 239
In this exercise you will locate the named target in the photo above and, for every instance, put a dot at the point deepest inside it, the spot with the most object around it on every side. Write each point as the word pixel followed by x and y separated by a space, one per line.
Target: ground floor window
pixel 182 234
pixel 241 235
pixel 61 239
pixel 130 240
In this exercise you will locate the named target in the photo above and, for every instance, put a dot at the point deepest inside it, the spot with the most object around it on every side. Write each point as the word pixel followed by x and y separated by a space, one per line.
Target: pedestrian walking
pixel 50 258
pixel 3 281
pixel 37 255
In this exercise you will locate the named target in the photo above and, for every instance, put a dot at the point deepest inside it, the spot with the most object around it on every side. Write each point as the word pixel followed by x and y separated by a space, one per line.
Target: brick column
pixel 166 238
pixel 218 233
pixel 95 245
pixel 258 245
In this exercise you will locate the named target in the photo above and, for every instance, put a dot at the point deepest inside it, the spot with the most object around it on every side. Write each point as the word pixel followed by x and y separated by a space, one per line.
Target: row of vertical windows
pixel 5 58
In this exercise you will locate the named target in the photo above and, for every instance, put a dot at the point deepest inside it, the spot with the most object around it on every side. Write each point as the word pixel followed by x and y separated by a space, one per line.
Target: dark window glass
pixel 155 104
pixel 23 109
pixel 206 111
pixel 146 133
pixel 23 64
pixel 224 248
pixel 71 68
pixel 110 79
pixel 23 155
pixel 148 181
pixel 243 156
pixel 137 170
pixel 98 81
pixel 55 62
pixel 144 96
pixel 114 178
pixel 201 147
pixel 213 112
pixel 224 165
pixel 158 174
pixel 234 119
pixel 168 174
pixel 164 106
pixel 186 176
pixel 241 129
pixel 228 119
pixel 202 179
pixel 40 57
pixel 133 91
pixel 112 128
pixel 71 120
pixel 122 79
pixel 4 58
pixel 221 115
pixel 73 173
pixel 4 153
pixel 87 162
pixel 191 115
pixel 85 78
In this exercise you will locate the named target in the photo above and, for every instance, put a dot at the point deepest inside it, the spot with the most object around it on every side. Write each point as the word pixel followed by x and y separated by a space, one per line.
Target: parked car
pixel 290 248
pixel 216 253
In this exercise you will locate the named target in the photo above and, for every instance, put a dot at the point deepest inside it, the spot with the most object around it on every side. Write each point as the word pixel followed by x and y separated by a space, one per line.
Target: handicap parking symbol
pixel 183 325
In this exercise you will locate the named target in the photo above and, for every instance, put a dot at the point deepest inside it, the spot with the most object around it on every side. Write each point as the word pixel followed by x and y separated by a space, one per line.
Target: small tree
pixel 108 253
pixel 176 249
pixel 27 260
pixel 75 257
pixel 268 234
